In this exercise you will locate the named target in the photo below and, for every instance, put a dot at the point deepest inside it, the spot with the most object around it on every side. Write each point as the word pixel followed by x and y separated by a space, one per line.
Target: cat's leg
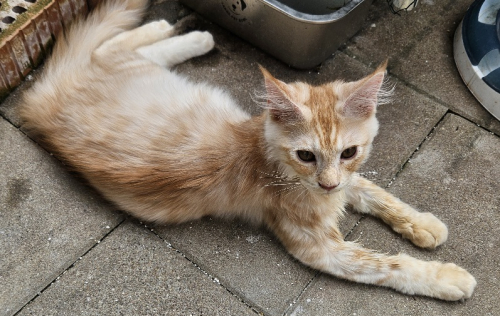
pixel 322 247
pixel 141 36
pixel 175 50
pixel 423 229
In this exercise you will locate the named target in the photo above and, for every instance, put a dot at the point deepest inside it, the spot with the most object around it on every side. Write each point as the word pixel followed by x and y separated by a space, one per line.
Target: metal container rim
pixel 312 18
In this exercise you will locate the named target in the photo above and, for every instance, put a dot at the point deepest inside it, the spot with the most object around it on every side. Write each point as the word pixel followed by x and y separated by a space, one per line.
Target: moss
pixel 21 18
pixel 4 7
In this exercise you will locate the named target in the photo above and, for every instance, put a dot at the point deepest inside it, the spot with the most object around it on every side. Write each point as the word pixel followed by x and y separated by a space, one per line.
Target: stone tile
pixel 432 69
pixel 391 36
pixel 47 219
pixel 232 65
pixel 249 261
pixel 419 46
pixel 133 272
pixel 455 176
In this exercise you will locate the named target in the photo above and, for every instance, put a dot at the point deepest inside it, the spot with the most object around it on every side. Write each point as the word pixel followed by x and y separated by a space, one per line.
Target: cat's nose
pixel 327 187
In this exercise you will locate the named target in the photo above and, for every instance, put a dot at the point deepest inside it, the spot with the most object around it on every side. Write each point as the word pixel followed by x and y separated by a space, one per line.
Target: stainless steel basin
pixel 302 33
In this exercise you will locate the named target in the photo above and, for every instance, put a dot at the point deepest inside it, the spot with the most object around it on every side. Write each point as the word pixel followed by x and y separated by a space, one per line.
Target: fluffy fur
pixel 169 150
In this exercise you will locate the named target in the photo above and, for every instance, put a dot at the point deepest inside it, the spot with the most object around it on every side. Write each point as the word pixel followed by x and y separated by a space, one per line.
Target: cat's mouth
pixel 316 188
pixel 327 190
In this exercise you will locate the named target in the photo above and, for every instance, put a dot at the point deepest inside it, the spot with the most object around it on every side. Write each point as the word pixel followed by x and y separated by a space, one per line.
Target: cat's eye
pixel 306 156
pixel 349 152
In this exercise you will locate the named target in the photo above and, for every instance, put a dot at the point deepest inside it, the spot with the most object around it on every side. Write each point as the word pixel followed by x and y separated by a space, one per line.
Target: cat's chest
pixel 313 206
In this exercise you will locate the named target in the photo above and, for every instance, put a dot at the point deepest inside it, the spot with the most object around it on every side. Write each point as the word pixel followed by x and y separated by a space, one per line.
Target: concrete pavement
pixel 66 251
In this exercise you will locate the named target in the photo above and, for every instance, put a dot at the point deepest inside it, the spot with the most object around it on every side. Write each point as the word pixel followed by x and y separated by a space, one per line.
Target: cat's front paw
pixel 425 230
pixel 452 283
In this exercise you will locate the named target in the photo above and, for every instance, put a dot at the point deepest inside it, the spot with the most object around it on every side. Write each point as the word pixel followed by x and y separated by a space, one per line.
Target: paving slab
pixel 47 219
pixel 455 176
pixel 247 260
pixel 134 272
pixel 434 66
pixel 393 36
pixel 419 46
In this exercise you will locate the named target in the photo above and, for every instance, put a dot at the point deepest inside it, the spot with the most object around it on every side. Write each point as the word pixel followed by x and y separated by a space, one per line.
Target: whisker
pixel 290 188
pixel 278 184
pixel 283 190
pixel 278 178
pixel 301 195
pixel 273 174
pixel 278 181
pixel 294 189
pixel 282 183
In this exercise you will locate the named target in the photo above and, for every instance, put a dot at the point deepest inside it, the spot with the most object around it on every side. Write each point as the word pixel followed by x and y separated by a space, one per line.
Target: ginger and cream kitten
pixel 168 150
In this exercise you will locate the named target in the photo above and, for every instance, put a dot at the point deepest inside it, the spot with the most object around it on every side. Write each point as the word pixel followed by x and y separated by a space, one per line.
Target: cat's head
pixel 321 134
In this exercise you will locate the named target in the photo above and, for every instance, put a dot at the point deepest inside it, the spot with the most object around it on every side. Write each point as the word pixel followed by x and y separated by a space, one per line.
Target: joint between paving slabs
pixel 3 116
pixel 471 121
pixel 212 277
pixel 97 242
pixel 426 138
pixel 296 299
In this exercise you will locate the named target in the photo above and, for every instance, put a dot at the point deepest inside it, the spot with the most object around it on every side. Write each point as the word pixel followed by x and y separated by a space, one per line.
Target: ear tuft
pixel 362 103
pixel 280 107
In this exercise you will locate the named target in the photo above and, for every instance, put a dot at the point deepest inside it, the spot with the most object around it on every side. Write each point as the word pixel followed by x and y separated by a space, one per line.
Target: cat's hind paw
pixel 161 25
pixel 156 31
pixel 424 230
pixel 203 41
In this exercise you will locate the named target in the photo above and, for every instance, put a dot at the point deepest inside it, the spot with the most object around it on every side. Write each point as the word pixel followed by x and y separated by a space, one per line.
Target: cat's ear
pixel 280 107
pixel 362 102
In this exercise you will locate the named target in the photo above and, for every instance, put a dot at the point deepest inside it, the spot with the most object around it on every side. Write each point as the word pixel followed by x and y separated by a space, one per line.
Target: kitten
pixel 169 150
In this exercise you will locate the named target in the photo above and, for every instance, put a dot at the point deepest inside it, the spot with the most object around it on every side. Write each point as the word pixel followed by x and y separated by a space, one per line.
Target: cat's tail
pixel 66 69
pixel 84 36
